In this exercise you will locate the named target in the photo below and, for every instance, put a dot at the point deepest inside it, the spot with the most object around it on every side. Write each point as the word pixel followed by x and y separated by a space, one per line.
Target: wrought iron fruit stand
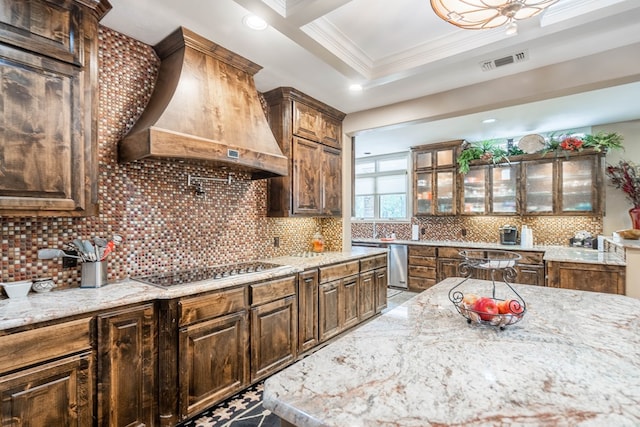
pixel 498 267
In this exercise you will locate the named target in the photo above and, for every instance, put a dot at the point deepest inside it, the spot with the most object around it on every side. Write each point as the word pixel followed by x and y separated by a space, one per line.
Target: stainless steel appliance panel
pixel 398 266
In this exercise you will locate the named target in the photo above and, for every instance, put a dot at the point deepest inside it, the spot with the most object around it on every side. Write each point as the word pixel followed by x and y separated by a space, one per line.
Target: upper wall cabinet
pixel 536 184
pixel 49 80
pixel 434 178
pixel 309 134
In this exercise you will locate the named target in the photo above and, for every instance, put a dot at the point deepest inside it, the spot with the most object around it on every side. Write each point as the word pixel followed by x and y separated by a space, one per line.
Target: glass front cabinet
pixel 535 185
pixel 435 179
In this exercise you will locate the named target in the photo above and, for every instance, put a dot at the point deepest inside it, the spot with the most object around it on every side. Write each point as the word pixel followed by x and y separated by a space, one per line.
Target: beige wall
pixel 616 204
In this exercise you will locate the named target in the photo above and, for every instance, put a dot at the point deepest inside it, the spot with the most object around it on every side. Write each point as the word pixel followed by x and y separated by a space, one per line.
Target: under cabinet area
pixel 48 69
pixel 309 133
pixel 46 376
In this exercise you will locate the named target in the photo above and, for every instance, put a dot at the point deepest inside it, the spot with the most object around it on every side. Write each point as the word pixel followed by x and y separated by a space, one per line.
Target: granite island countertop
pixel 551 252
pixel 574 359
pixel 54 305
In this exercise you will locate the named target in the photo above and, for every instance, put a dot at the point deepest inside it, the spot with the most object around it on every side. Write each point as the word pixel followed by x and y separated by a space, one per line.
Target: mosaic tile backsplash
pixel 165 226
pixel 546 230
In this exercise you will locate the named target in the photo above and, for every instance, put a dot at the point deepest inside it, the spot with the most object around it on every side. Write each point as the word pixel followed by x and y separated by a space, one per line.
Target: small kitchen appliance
pixel 508 235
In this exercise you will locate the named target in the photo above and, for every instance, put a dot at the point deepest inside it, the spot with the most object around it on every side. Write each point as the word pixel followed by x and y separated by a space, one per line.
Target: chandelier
pixel 483 14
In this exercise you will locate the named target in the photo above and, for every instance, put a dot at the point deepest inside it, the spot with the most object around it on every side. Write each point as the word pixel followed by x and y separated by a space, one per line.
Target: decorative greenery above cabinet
pixel 48 72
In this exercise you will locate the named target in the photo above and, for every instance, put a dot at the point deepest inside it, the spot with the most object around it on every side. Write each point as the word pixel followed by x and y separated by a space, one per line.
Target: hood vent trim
pixel 205 107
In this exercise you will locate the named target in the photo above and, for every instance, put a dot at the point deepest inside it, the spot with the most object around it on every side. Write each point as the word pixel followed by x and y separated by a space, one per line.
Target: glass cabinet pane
pixel 423 160
pixel 577 185
pixel 539 187
pixel 504 188
pixel 444 157
pixel 445 193
pixel 474 189
pixel 424 193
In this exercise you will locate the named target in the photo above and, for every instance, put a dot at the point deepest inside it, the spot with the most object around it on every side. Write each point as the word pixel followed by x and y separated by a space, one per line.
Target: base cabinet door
pixel 587 277
pixel 329 315
pixel 350 301
pixel 530 275
pixel 447 268
pixel 274 336
pixel 213 361
pixel 307 310
pixel 381 280
pixel 367 295
pixel 126 367
pixel 58 393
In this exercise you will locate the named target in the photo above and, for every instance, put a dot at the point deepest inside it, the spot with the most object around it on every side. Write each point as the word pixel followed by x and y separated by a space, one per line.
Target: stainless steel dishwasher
pixel 398 266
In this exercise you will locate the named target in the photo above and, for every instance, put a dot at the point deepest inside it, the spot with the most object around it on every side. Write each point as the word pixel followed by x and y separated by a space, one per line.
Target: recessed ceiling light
pixel 355 87
pixel 487 121
pixel 255 22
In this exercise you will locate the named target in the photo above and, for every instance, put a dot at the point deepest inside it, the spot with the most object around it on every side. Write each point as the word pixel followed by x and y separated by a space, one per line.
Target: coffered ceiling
pixel 400 50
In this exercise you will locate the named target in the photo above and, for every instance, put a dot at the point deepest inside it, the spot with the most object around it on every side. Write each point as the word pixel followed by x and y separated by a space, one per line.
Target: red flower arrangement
pixel 625 176
pixel 571 144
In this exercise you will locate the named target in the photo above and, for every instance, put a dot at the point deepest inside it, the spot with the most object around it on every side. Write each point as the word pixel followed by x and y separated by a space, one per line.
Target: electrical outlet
pixel 464 232
pixel 423 231
pixel 276 242
pixel 70 262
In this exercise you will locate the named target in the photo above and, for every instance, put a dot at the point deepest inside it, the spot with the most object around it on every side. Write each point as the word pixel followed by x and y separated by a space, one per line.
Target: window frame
pixel 406 155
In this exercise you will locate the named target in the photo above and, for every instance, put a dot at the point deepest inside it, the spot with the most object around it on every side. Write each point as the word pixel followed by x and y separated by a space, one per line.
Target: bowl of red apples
pixel 490 311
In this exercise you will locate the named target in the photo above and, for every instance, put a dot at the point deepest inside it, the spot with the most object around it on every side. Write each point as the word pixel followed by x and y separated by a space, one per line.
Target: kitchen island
pixel 574 359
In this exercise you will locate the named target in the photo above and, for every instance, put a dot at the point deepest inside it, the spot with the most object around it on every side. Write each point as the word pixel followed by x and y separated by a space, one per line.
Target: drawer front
pixel 422 251
pixel 449 252
pixel 338 271
pixel 37 345
pixel 426 272
pixel 203 307
pixel 531 258
pixel 272 290
pixel 373 263
pixel 419 283
pixel 423 261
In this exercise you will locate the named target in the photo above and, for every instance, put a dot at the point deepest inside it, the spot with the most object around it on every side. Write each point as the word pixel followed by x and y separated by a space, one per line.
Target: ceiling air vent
pixel 492 64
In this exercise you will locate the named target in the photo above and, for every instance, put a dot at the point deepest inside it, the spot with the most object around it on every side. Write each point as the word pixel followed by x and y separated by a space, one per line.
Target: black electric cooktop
pixel 181 277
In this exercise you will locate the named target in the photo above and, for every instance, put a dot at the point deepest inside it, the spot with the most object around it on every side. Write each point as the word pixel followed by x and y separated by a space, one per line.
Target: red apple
pixel 486 308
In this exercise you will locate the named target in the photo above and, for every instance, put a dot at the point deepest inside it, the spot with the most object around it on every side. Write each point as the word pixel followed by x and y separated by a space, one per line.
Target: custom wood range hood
pixel 205 107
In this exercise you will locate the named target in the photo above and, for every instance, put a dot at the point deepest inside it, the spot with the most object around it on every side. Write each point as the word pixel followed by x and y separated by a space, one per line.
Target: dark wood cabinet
pixel 422 267
pixel 274 326
pixel 435 178
pixel 58 393
pixel 213 349
pixel 587 277
pixel 127 367
pixel 307 310
pixel 48 72
pixel 329 314
pixel 381 284
pixel 373 285
pixel 309 134
pixel 47 377
pixel 351 301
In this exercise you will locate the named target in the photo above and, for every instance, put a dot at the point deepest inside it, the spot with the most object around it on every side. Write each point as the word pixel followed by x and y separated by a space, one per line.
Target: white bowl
pixel 17 289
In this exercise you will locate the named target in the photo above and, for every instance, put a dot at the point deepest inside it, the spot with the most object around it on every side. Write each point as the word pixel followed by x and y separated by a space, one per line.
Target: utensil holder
pixel 94 274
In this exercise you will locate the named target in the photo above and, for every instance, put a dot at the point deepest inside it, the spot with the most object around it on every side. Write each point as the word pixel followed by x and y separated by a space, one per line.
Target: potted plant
pixel 487 150
pixel 626 176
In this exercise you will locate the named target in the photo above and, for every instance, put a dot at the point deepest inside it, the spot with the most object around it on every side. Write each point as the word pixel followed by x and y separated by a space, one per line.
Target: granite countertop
pixel 551 252
pixel 71 302
pixel 574 359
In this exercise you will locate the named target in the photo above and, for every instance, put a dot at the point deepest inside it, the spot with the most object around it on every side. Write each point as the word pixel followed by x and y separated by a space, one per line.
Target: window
pixel 381 184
